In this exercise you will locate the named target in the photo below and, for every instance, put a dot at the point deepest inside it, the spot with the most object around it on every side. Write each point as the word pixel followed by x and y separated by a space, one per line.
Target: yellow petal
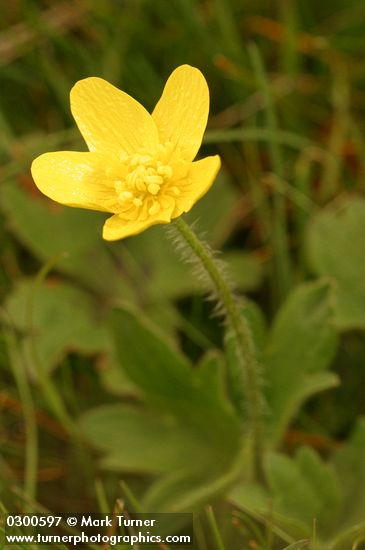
pixel 116 228
pixel 75 179
pixel 110 120
pixel 200 178
pixel 182 112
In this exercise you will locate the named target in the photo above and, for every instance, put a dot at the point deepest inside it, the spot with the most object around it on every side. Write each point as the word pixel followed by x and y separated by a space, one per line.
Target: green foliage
pixel 305 488
pixel 163 401
pixel 294 354
pixel 301 490
pixel 194 438
pixel 73 232
pixel 137 440
pixel 300 347
pixel 53 320
pixel 90 261
pixel 336 249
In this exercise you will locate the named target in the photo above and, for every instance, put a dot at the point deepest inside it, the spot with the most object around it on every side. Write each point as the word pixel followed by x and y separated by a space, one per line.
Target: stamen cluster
pixel 144 185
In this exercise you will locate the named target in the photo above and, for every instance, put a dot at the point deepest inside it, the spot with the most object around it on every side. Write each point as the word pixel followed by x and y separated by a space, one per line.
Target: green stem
pixel 29 414
pixel 283 137
pixel 214 529
pixel 302 175
pixel 242 333
pixel 330 180
pixel 131 498
pixel 282 269
pixel 46 384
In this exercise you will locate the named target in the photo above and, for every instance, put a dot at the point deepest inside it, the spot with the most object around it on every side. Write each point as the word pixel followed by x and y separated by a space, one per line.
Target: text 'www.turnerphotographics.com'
pixel 112 529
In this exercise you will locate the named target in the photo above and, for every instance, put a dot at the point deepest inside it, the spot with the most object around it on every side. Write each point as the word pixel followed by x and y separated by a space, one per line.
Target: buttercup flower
pixel 140 167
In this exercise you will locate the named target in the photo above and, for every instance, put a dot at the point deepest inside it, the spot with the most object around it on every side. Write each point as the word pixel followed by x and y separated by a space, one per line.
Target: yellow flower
pixel 140 167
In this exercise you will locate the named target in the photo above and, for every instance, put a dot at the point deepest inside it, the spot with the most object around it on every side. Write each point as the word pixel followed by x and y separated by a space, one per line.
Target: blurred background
pixel 59 279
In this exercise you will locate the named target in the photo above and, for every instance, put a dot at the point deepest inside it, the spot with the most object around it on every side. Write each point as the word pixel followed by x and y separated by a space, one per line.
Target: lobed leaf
pixel 301 489
pixel 196 434
pixel 300 346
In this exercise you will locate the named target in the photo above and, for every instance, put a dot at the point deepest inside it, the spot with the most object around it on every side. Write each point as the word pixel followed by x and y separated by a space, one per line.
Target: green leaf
pixel 257 502
pixel 196 459
pixel 293 495
pixel 187 489
pixel 335 244
pixel 164 374
pixel 324 482
pixel 301 489
pixel 112 377
pixel 138 440
pixel 300 347
pixel 149 359
pixel 63 320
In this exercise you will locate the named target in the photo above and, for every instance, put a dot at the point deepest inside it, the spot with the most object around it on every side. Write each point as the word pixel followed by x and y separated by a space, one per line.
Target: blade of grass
pixel 231 39
pixel 340 127
pixel 289 50
pixel 248 527
pixel 101 497
pixel 314 535
pixel 216 536
pixel 30 423
pixel 199 534
pixel 283 137
pixel 131 498
pixel 299 199
pixel 242 512
pixel 45 381
pixel 282 269
pixel 258 192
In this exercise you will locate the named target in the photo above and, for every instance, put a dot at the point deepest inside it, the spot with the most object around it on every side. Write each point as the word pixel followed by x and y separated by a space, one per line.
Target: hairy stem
pixel 242 333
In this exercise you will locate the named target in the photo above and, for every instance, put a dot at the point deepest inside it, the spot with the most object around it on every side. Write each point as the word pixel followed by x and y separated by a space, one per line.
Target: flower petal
pixel 75 179
pixel 116 228
pixel 110 120
pixel 182 112
pixel 200 178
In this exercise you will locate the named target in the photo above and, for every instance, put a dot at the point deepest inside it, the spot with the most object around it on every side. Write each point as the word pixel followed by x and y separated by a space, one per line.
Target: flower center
pixel 144 187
